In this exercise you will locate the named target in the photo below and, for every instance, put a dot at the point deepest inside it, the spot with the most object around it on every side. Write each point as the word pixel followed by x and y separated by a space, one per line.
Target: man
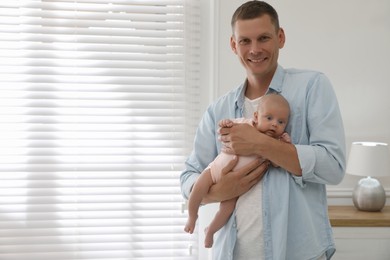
pixel 282 212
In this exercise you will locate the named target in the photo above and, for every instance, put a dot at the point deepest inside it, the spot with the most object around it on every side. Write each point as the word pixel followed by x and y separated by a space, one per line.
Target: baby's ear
pixel 255 117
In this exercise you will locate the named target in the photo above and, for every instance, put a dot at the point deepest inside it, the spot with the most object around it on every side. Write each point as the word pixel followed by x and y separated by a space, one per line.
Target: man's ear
pixel 233 44
pixel 282 38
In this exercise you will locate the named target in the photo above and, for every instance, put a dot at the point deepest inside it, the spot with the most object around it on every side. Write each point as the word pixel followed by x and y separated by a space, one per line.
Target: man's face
pixel 256 43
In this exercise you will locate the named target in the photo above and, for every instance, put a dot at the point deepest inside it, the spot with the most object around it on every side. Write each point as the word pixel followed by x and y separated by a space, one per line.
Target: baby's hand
pixel 225 123
pixel 285 137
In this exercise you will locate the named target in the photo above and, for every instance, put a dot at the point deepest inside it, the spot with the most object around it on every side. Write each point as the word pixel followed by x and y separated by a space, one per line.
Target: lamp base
pixel 369 195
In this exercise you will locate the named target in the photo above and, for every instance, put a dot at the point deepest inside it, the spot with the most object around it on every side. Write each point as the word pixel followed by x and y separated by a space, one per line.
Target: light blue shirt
pixel 295 219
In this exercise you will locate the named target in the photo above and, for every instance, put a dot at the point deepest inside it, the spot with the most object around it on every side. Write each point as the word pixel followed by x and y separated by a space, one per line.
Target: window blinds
pixel 98 102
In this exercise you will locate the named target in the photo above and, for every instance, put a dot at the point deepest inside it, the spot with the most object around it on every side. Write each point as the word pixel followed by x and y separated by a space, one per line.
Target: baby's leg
pixel 200 189
pixel 226 208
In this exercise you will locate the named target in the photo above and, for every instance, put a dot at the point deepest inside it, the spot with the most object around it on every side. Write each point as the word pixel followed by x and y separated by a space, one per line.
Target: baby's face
pixel 271 119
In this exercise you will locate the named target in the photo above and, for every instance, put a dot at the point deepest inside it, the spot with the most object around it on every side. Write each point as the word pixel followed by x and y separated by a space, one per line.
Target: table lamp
pixel 369 159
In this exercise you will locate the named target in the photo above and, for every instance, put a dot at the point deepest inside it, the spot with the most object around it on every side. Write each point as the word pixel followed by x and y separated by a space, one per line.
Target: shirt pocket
pixel 296 127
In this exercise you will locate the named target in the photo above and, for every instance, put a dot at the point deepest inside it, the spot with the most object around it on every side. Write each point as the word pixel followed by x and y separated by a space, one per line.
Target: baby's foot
pixel 190 225
pixel 209 238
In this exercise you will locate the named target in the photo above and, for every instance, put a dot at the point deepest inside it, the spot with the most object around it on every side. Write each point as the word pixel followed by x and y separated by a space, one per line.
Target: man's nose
pixel 255 47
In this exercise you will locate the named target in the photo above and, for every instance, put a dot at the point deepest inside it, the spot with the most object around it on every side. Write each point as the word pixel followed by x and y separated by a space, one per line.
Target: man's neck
pixel 257 86
pixel 255 89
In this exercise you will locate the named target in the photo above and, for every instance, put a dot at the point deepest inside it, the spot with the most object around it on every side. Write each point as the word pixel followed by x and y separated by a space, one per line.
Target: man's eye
pixel 263 38
pixel 244 41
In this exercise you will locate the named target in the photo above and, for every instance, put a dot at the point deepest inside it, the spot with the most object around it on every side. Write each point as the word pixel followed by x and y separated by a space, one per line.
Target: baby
pixel 271 119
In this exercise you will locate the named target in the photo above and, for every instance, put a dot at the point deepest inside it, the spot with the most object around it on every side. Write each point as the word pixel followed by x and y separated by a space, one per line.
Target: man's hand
pixel 235 183
pixel 238 139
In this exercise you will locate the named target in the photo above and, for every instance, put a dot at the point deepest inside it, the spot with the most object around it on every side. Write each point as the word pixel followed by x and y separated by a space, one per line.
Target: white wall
pixel 348 40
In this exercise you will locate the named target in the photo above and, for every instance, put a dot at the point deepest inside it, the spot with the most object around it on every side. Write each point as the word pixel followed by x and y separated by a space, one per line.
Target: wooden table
pixel 360 235
pixel 349 216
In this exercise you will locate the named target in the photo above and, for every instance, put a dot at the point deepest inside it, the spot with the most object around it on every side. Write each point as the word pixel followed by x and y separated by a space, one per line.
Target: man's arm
pixel 318 153
pixel 246 140
pixel 235 183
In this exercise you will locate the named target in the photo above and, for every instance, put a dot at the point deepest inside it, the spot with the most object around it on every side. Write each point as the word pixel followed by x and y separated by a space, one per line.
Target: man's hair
pixel 254 9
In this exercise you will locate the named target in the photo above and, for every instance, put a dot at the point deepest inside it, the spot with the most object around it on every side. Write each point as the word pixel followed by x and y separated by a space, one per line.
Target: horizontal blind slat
pixel 97 102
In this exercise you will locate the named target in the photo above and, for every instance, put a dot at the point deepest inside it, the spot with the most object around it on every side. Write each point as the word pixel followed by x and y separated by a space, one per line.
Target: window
pixel 98 104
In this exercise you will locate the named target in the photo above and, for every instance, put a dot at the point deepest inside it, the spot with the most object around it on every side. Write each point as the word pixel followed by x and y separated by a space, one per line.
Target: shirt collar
pixel 275 86
pixel 277 80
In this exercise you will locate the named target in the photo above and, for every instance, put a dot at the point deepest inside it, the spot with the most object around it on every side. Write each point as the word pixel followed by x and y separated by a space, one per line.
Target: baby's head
pixel 272 115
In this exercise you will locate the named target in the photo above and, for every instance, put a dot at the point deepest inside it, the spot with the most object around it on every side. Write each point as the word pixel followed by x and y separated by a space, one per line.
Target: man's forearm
pixel 235 183
pixel 280 153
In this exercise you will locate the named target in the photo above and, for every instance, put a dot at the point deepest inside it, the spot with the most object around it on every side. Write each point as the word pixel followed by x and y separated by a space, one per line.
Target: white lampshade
pixel 369 159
